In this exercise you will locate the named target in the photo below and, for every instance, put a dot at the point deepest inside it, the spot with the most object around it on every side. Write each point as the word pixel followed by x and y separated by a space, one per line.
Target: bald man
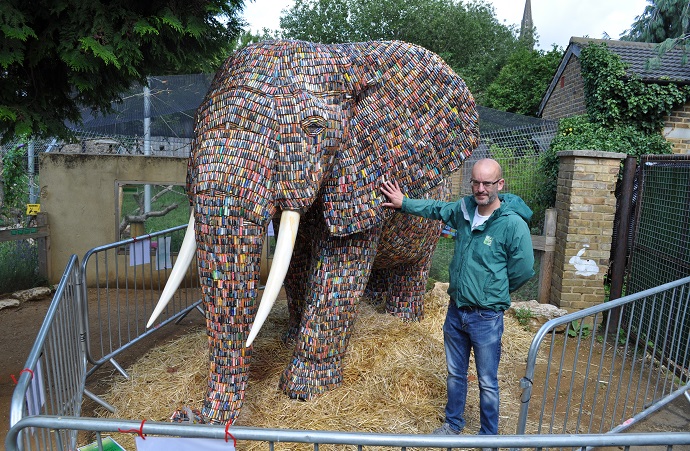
pixel 493 256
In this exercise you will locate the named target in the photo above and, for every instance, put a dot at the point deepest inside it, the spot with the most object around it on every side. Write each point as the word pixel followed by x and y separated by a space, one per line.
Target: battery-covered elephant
pixel 307 132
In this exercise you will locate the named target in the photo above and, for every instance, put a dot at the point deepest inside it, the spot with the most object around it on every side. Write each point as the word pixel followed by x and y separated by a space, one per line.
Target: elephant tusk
pixel 285 243
pixel 184 259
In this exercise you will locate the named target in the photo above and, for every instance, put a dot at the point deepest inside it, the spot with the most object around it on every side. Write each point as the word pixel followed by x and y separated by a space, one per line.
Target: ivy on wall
pixel 624 114
pixel 614 97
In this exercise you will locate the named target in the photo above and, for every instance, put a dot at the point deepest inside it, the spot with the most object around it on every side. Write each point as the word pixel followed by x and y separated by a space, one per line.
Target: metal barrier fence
pixel 45 410
pixel 122 283
pixel 605 368
pixel 52 382
pixel 346 440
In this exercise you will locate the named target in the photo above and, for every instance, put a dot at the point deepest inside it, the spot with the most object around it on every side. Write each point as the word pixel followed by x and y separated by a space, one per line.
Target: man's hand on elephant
pixel 393 193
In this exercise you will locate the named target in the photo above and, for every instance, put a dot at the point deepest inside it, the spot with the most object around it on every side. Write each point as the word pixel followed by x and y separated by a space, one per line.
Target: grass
pixel 176 217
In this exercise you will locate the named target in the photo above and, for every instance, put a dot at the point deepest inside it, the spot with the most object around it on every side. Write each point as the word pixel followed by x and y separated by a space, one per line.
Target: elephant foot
pixel 290 335
pixel 306 380
pixel 224 395
pixel 409 309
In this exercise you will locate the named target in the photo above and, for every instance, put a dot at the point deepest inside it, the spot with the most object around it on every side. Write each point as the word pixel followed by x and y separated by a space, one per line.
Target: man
pixel 493 256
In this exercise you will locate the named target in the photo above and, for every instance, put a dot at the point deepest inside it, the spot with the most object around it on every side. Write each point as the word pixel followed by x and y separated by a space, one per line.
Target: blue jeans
pixel 481 330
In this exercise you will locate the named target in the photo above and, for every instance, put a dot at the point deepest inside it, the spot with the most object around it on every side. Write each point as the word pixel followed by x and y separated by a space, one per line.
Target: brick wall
pixel 585 205
pixel 677 129
pixel 567 98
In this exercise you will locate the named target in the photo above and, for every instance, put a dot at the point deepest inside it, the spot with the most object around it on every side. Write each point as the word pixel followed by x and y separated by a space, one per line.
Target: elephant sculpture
pixel 306 133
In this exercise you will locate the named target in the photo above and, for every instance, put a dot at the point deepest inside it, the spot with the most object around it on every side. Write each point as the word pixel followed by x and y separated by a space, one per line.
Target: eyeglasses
pixel 476 183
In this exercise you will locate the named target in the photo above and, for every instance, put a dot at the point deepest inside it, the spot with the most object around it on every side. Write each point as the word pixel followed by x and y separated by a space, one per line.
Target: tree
pixel 56 57
pixel 665 22
pixel 661 20
pixel 466 35
pixel 521 83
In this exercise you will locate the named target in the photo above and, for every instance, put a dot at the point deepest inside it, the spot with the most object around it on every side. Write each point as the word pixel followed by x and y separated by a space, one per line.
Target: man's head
pixel 487 181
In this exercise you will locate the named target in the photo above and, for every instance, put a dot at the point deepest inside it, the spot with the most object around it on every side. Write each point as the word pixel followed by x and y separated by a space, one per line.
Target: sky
pixel 556 21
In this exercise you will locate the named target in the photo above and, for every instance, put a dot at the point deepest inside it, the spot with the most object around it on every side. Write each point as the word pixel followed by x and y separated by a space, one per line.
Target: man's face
pixel 483 194
pixel 486 183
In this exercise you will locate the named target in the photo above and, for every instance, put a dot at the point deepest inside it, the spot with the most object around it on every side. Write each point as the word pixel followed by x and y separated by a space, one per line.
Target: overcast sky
pixel 556 21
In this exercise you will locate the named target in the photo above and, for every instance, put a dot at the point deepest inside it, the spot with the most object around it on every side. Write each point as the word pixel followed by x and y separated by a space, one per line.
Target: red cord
pixel 227 433
pixel 139 431
pixel 25 370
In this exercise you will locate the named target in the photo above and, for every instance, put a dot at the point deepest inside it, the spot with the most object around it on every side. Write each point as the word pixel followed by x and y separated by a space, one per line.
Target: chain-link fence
pixel 516 142
pixel 660 252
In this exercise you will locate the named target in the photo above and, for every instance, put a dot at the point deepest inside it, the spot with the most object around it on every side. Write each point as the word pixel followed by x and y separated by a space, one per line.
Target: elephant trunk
pixel 285 244
pixel 229 258
pixel 229 262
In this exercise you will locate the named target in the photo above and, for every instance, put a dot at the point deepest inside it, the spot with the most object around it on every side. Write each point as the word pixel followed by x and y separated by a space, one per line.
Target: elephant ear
pixel 412 120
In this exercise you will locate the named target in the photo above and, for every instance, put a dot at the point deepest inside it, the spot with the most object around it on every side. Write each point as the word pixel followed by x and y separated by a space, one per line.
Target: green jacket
pixel 491 261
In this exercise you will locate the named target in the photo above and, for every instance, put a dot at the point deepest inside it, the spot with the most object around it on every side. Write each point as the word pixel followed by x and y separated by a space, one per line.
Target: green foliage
pixel 665 22
pixel 520 84
pixel 13 178
pixel 523 317
pixel 441 260
pixel 623 115
pixel 19 266
pixel 661 20
pixel 578 133
pixel 576 328
pixel 614 97
pixel 622 337
pixel 468 36
pixel 57 57
pixel 161 197
pixel 530 290
pixel 247 37
pixel 522 176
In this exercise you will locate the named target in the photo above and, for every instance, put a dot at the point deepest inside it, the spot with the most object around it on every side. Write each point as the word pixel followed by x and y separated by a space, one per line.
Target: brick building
pixel 565 95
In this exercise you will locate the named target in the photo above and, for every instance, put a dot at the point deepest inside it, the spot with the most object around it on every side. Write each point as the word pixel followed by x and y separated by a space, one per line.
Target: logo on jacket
pixel 488 240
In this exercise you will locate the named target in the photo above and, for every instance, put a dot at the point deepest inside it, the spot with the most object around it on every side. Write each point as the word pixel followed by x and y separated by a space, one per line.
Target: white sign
pixel 182 444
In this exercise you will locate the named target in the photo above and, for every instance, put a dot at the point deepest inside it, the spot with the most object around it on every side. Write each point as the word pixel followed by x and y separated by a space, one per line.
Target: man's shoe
pixel 445 430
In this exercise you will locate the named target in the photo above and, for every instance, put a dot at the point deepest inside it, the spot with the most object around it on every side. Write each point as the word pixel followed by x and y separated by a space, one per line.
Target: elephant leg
pixel 229 293
pixel 377 287
pixel 340 273
pixel 402 288
pixel 295 283
pixel 402 266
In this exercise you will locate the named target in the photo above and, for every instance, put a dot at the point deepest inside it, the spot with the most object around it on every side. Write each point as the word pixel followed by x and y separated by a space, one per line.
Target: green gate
pixel 660 253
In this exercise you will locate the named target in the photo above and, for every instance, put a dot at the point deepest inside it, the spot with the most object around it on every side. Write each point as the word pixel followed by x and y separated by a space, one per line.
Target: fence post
pixel 43 246
pixel 586 208
pixel 546 264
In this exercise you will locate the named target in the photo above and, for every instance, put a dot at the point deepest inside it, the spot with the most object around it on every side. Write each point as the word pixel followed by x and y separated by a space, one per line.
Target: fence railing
pixel 53 379
pixel 284 437
pixel 38 231
pixel 604 368
pixel 122 285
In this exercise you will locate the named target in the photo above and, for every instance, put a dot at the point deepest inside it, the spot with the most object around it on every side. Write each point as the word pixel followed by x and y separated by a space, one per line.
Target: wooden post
pixel 546 266
pixel 136 229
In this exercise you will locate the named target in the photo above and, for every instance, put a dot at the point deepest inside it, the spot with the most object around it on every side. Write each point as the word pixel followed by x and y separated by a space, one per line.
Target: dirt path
pixel 20 327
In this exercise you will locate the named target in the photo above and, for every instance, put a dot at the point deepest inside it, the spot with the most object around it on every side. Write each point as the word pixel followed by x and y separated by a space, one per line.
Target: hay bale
pixel 394 378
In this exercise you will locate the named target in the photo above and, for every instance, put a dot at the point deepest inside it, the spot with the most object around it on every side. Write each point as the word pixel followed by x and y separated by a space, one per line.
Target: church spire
pixel 527 26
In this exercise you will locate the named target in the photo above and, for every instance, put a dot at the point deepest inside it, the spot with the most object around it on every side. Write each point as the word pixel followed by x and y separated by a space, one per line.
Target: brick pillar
pixel 586 205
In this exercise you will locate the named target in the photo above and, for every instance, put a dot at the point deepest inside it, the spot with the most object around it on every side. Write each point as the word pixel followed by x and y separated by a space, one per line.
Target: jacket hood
pixel 509 203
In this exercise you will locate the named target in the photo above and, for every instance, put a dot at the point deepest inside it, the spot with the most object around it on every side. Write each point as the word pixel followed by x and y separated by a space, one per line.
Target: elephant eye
pixel 314 125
